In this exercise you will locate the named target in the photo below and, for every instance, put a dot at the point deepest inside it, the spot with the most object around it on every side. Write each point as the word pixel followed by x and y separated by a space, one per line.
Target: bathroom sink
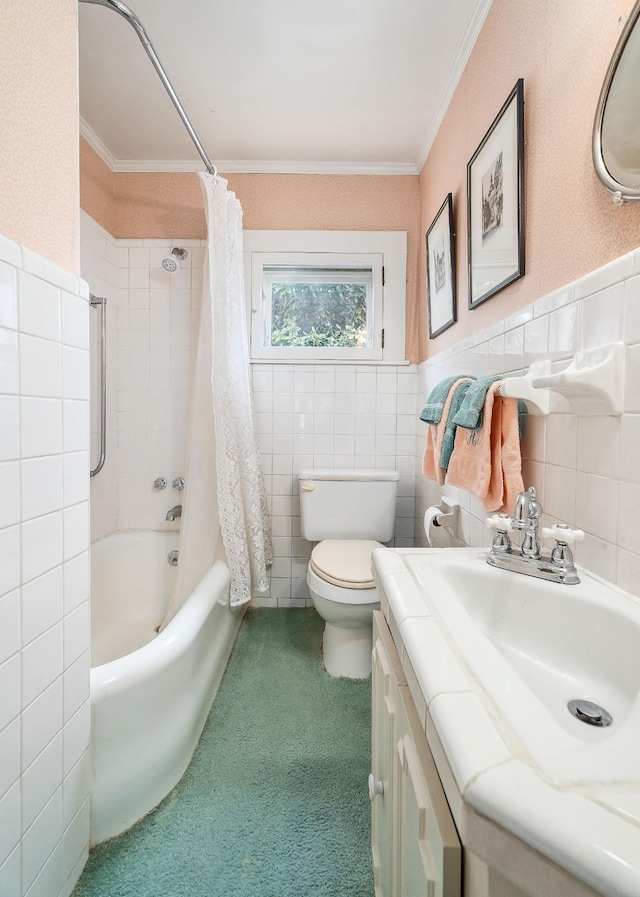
pixel 531 647
pixel 496 657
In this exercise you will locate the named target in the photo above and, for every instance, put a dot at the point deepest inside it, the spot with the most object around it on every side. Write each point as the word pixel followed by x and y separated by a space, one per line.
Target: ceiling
pixel 353 86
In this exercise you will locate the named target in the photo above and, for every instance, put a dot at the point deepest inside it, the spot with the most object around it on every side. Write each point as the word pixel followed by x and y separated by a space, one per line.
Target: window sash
pixel 288 276
pixel 268 268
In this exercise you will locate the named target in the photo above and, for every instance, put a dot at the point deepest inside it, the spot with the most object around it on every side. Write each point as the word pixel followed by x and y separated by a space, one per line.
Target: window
pixel 315 305
pixel 319 307
pixel 329 302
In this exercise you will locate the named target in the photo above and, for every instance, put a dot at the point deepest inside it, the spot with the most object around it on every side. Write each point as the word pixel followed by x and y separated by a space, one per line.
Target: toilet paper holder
pixel 448 518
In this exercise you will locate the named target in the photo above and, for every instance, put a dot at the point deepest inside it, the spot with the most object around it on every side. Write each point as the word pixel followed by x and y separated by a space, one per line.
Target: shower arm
pixel 133 20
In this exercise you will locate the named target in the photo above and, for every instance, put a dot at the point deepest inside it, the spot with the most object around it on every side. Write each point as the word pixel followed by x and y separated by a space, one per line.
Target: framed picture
pixel 441 285
pixel 495 203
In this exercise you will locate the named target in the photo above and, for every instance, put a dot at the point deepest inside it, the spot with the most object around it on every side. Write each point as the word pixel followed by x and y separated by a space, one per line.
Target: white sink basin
pixel 498 656
pixel 533 646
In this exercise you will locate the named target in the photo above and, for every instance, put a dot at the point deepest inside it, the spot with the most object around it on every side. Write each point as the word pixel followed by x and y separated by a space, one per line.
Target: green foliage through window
pixel 319 314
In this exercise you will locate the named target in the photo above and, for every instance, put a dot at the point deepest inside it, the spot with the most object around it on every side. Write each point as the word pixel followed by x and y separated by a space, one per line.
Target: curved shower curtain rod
pixel 133 20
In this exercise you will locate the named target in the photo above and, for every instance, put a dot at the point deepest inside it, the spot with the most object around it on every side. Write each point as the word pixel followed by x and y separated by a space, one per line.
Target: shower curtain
pixel 225 492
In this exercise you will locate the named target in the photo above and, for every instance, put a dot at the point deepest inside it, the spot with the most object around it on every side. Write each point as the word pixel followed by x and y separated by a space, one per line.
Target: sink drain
pixel 590 713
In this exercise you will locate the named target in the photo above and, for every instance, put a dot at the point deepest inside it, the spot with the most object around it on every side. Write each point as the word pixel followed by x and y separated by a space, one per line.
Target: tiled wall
pixel 585 468
pixel 329 416
pixel 152 320
pixel 44 588
pixel 360 416
pixel 306 415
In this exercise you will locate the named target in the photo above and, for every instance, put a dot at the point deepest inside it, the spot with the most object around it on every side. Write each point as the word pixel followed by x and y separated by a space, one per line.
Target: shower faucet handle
pixel 160 483
pixel 178 483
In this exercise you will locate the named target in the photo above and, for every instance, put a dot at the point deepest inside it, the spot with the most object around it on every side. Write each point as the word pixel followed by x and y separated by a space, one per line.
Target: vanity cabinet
pixel 418 850
pixel 415 847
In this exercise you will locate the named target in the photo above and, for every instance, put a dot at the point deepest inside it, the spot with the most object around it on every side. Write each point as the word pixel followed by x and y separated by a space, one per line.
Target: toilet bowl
pixel 345 595
pixel 348 513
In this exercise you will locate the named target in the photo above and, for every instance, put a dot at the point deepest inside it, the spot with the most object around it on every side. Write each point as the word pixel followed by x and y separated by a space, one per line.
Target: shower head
pixel 171 263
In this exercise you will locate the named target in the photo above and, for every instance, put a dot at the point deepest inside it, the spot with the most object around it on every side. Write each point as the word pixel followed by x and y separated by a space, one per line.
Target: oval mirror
pixel 616 130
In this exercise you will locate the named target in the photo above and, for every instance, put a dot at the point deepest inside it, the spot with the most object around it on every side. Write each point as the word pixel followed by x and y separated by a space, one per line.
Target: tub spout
pixel 176 511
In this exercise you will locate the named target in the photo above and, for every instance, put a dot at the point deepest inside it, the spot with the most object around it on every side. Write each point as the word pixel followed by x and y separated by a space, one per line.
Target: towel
pixel 433 410
pixel 486 460
pixel 506 461
pixel 432 465
pixel 472 409
pixel 459 392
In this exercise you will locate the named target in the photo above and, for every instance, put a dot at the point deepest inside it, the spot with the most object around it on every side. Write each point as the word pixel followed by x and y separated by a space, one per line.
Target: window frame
pixel 386 249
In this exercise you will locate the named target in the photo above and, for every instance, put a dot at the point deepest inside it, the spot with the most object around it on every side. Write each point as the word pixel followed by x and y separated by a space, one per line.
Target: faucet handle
pixel 562 555
pixel 563 534
pixel 503 525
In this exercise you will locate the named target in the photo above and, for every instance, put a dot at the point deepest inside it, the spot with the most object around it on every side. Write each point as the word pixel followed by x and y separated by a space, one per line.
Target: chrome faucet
pixel 526 517
pixel 174 513
pixel 528 559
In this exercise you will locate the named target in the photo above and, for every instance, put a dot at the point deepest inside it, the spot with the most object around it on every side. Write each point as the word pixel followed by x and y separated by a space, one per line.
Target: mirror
pixel 616 130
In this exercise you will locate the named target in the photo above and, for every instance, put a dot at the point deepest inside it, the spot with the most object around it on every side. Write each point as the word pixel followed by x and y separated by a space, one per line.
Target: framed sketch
pixel 495 203
pixel 441 285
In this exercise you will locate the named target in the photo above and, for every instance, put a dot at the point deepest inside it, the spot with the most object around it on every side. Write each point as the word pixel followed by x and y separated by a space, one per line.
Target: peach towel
pixel 435 433
pixel 487 461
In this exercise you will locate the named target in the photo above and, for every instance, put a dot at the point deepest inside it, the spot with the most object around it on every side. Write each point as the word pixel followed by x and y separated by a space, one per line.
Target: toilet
pixel 348 513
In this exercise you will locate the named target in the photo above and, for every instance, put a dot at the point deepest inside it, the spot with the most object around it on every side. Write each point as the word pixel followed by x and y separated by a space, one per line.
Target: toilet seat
pixel 345 563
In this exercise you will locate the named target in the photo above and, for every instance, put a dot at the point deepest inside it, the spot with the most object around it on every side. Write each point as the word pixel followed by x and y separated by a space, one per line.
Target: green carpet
pixel 274 802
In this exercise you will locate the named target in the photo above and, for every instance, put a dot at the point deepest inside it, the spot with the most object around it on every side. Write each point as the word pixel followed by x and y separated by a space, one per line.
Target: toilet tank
pixel 348 504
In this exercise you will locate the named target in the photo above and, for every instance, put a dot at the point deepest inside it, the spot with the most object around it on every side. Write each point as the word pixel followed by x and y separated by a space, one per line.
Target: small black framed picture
pixel 495 203
pixel 441 282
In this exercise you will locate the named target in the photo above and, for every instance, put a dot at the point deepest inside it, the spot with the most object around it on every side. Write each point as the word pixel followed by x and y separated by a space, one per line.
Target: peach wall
pixel 97 187
pixel 561 48
pixel 39 128
pixel 140 205
pixel 158 205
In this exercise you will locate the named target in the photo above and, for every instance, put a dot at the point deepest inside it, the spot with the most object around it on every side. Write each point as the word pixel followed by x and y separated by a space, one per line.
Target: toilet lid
pixel 345 563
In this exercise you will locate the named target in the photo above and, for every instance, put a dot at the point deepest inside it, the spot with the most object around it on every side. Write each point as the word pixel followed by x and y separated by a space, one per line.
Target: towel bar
pixel 592 384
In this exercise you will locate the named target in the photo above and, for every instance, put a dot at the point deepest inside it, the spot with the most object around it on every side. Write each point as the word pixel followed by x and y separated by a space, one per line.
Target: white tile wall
pixel 44 583
pixel 329 416
pixel 322 415
pixel 152 320
pixel 347 416
pixel 585 468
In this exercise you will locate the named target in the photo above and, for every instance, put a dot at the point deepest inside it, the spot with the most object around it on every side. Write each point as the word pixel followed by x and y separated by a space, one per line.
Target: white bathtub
pixel 150 694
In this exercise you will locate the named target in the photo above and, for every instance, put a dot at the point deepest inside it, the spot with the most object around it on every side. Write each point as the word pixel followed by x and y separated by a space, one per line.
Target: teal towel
pixel 523 412
pixel 432 411
pixel 469 415
pixel 450 428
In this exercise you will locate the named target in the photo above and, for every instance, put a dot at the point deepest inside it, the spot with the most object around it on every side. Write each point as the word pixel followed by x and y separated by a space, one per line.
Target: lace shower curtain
pixel 225 492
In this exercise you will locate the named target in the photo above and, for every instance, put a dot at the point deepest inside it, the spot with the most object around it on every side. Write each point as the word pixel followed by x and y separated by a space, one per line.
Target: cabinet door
pixel 428 853
pixel 385 670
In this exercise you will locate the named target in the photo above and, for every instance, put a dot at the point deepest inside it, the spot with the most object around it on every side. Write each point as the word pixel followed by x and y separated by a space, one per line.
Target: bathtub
pixel 150 693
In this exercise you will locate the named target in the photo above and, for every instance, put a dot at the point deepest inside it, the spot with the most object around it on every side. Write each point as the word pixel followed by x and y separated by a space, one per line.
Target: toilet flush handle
pixel 308 487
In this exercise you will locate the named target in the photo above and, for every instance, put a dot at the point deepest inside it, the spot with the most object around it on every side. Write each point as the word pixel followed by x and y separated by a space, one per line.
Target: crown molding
pixel 458 67
pixel 94 141
pixel 275 167
pixel 243 166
